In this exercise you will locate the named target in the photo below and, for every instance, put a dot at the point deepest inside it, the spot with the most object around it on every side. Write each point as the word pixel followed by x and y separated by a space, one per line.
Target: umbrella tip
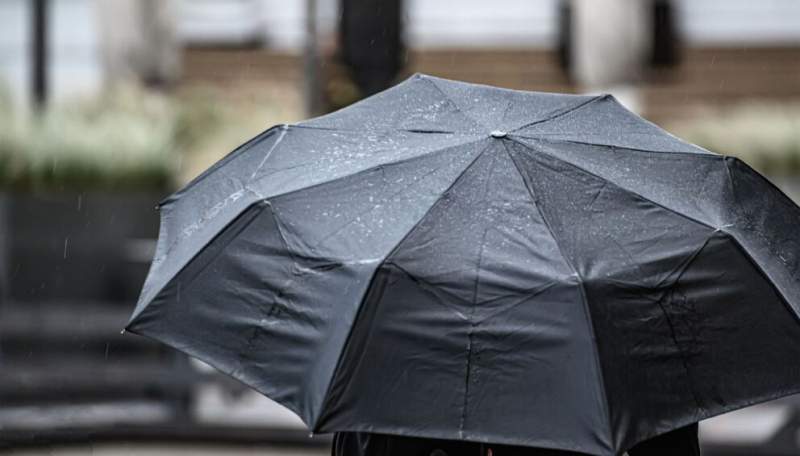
pixel 498 134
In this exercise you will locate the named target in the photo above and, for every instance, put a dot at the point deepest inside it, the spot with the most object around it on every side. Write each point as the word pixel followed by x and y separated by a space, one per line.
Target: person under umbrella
pixel 472 263
pixel 365 444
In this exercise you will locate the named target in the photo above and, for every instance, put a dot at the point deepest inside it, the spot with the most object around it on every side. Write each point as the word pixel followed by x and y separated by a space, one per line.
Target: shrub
pixel 765 136
pixel 126 139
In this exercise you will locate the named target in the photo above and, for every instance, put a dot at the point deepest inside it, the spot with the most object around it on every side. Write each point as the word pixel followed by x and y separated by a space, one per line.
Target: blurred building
pixel 712 54
pixel 89 44
pixel 729 49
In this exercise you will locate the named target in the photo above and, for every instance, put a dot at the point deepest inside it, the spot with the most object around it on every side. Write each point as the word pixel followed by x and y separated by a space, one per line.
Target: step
pixel 49 382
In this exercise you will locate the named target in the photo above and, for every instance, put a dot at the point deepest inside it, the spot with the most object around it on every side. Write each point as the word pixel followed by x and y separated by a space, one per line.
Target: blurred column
pixel 312 92
pixel 610 46
pixel 138 41
pixel 39 52
pixel 371 42
pixel 4 253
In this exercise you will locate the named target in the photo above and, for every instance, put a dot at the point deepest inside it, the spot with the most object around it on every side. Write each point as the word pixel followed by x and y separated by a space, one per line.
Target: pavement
pixel 142 449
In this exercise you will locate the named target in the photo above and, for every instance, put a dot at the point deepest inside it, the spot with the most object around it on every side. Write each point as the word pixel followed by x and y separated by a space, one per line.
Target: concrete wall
pixel 14 71
pixel 89 44
pixel 277 24
pixel 481 23
pixel 738 22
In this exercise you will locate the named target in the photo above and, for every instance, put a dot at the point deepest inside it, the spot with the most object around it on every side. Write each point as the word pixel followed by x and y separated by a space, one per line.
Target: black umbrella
pixel 457 261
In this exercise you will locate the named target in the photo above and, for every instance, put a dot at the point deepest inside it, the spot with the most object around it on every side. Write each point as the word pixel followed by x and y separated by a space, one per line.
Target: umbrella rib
pixel 316 127
pixel 543 137
pixel 609 181
pixel 269 153
pixel 406 130
pixel 471 334
pixel 431 131
pixel 562 113
pixel 449 99
pixel 522 297
pixel 660 303
pixel 582 289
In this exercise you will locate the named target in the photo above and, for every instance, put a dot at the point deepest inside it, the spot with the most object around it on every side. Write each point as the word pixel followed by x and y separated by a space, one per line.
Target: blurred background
pixel 106 106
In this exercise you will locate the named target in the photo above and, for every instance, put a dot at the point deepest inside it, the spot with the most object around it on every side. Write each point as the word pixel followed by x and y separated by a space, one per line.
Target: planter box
pixel 78 246
pixel 72 267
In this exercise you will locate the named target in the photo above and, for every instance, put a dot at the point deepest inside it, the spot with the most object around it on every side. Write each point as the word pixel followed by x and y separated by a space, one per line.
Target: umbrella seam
pixel 561 113
pixel 764 274
pixel 681 270
pixel 521 295
pixel 521 299
pixel 598 366
pixel 327 398
pixel 452 102
pixel 471 334
pixel 620 187
pixel 544 138
pixel 406 130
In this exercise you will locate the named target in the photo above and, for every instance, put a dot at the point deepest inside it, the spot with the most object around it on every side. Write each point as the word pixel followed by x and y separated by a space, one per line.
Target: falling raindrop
pixel 66 245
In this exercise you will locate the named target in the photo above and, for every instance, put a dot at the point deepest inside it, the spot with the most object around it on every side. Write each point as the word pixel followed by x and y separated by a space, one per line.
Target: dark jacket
pixel 680 442
pixel 363 444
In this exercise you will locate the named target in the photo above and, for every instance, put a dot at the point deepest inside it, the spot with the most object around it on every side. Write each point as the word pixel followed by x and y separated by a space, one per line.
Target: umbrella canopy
pixel 458 261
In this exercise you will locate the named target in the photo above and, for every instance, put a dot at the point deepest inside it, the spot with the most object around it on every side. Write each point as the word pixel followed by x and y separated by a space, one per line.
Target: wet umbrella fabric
pixel 457 261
